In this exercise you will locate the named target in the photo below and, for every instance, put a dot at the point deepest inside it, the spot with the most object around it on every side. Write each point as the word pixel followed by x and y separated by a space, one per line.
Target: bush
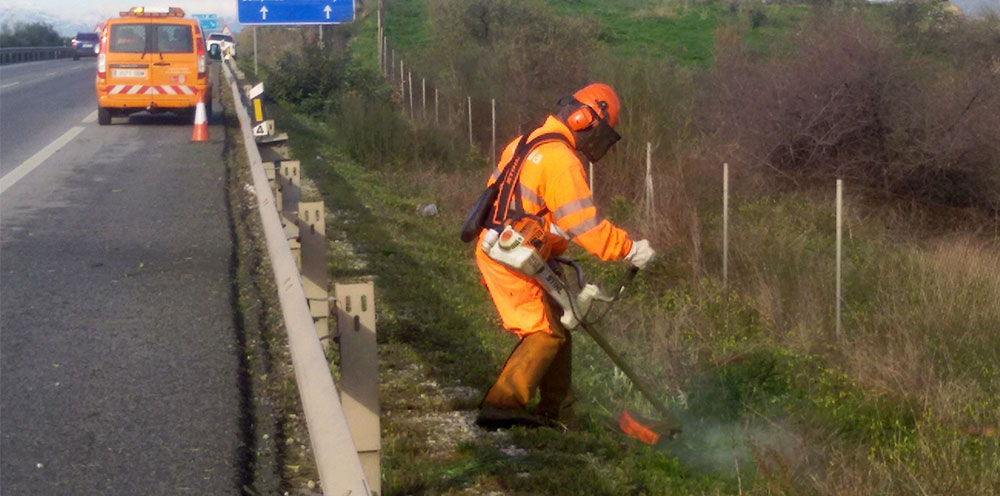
pixel 516 51
pixel 308 79
pixel 850 103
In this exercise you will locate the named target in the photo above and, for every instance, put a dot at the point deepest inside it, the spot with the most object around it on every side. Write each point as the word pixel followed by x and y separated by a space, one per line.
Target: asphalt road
pixel 119 352
pixel 39 101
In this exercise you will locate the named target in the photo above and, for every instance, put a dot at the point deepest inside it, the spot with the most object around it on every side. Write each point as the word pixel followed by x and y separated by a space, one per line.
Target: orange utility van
pixel 151 59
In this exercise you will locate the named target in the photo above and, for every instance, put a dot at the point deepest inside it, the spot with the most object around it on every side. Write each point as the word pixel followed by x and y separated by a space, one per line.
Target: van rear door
pixel 128 59
pixel 175 61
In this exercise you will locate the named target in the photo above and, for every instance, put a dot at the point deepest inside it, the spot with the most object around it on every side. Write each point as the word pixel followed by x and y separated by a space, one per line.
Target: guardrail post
pixel 289 181
pixel 359 373
pixel 270 169
pixel 312 237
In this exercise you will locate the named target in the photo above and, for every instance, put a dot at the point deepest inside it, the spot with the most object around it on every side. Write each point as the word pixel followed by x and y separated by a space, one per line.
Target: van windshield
pixel 151 38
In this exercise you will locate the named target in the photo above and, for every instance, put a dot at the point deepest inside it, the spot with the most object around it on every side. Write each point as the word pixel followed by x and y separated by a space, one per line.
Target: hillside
pixel 899 103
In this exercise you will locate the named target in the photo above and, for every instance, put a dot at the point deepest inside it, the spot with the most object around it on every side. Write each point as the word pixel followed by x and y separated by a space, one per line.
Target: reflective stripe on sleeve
pixel 572 208
pixel 581 228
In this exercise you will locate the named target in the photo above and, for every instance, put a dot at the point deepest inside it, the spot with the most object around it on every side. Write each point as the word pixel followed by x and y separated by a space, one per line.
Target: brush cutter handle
pixel 629 276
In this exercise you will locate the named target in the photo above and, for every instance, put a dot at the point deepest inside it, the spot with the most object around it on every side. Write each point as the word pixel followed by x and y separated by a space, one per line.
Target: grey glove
pixel 641 254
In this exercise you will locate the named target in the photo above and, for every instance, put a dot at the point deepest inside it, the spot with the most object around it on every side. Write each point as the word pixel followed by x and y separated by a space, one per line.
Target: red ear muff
pixel 581 119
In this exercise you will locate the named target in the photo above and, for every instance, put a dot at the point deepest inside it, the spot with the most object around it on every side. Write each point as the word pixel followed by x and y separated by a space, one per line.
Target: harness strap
pixel 509 202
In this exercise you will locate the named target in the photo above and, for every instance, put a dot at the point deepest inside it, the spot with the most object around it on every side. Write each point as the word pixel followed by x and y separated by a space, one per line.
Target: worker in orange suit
pixel 552 185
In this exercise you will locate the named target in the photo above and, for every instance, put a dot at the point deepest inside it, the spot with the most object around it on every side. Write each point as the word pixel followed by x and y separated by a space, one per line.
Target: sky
pixel 106 9
pixel 70 16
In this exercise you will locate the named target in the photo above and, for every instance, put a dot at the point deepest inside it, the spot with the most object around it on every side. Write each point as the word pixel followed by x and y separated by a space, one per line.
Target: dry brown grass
pixel 951 295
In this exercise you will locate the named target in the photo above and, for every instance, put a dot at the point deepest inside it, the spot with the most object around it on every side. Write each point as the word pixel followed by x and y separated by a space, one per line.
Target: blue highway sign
pixel 209 22
pixel 295 11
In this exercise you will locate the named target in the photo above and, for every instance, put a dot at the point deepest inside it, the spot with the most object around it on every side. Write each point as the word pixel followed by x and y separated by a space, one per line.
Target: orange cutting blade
pixel 633 428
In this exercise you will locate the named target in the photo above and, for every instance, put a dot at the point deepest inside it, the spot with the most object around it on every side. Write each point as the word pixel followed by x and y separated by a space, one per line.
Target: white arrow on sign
pixel 327 10
pixel 263 12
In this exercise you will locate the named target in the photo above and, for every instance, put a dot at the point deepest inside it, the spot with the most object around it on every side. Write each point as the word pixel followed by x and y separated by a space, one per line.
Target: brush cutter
pixel 518 246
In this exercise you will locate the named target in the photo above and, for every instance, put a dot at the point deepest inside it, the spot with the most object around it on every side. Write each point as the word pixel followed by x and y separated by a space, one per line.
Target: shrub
pixel 850 103
pixel 517 51
pixel 307 79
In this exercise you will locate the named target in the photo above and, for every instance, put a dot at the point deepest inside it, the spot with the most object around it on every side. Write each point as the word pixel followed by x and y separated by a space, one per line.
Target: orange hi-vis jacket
pixel 552 182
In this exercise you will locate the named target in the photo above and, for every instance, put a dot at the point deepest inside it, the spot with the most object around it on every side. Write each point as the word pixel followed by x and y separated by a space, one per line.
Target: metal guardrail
pixel 30 54
pixel 336 455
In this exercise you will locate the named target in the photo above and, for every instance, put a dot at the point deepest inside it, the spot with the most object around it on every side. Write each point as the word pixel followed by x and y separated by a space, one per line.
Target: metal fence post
pixel 493 121
pixel 840 223
pixel 649 203
pixel 725 231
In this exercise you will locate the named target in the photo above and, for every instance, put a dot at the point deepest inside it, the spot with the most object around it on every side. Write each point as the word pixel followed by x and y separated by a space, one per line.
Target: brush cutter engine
pixel 524 246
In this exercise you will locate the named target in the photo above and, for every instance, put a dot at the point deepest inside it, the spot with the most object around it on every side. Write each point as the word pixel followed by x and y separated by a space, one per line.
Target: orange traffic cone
pixel 200 132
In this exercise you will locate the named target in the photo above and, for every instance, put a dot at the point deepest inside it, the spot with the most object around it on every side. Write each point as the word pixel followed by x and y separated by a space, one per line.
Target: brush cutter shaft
pixel 627 370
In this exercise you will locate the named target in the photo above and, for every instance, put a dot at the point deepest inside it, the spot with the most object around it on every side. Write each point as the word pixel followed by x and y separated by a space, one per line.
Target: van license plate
pixel 129 73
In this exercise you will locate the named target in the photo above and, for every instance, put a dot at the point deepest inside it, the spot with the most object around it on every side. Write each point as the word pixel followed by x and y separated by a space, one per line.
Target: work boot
pixel 492 418
pixel 508 398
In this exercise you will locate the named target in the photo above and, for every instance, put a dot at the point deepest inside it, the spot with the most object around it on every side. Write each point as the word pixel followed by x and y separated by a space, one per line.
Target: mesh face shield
pixel 597 140
pixel 597 137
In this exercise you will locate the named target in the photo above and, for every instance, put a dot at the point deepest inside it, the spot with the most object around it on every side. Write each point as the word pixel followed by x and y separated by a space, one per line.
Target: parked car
pixel 151 59
pixel 85 45
pixel 224 42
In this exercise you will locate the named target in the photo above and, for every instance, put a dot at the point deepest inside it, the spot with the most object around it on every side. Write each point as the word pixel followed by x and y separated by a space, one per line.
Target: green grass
pixel 406 25
pixel 651 29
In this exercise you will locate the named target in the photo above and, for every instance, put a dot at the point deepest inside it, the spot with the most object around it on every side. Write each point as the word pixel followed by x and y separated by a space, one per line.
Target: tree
pixel 36 34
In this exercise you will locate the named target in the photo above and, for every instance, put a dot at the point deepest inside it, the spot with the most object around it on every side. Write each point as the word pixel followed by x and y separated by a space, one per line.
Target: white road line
pixel 50 74
pixel 32 163
pixel 8 85
pixel 90 118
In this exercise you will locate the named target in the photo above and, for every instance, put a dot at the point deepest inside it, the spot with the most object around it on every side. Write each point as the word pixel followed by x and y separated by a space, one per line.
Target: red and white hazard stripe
pixel 139 89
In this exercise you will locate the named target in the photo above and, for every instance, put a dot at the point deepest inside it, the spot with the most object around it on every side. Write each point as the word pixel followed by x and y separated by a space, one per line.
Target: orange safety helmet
pixel 598 97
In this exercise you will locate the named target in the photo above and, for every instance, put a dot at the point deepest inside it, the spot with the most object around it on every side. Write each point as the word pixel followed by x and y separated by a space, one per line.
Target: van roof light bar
pixel 153 12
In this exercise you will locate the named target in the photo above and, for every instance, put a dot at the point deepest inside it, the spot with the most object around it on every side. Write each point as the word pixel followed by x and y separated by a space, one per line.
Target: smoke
pixel 738 449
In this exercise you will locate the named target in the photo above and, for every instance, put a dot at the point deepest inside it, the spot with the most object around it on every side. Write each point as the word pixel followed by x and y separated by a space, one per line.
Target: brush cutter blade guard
pixel 647 430
pixel 633 428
